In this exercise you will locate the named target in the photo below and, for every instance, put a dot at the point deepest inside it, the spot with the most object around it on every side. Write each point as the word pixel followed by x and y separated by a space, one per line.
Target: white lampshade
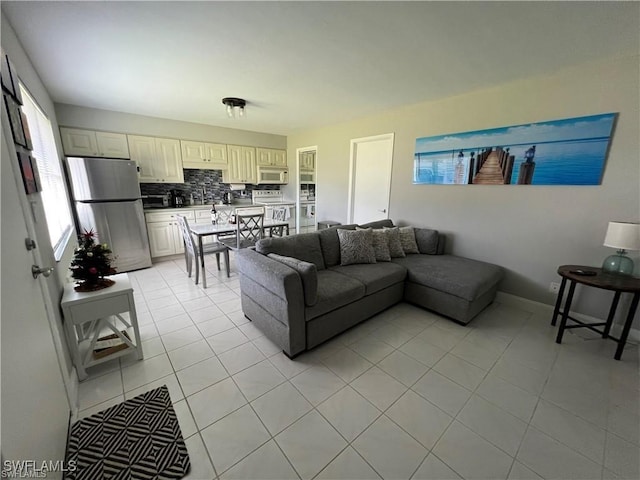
pixel 624 236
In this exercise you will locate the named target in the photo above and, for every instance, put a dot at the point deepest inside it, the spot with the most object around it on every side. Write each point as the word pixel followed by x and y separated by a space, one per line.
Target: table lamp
pixel 623 236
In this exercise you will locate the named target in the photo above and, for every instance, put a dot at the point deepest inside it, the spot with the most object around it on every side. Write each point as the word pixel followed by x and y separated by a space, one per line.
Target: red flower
pixel 93 270
pixel 89 234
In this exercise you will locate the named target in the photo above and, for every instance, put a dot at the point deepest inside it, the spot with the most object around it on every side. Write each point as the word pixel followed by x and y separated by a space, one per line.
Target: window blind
pixel 52 184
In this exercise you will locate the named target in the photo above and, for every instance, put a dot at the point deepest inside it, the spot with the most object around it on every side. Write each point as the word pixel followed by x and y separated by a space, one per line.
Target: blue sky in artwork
pixel 594 126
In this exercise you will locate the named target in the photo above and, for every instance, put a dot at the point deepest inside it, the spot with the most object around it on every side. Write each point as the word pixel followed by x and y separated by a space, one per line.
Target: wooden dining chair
pixel 191 251
pixel 249 229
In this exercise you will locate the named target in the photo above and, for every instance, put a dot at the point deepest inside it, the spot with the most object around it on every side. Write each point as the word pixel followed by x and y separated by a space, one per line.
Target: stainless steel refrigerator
pixel 107 199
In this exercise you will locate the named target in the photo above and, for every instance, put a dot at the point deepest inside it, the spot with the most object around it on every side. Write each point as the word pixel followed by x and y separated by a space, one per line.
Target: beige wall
pixel 529 230
pixel 92 118
pixel 31 80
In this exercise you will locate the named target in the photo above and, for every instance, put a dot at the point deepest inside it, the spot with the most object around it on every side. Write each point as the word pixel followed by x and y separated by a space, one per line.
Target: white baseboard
pixel 542 308
pixel 73 392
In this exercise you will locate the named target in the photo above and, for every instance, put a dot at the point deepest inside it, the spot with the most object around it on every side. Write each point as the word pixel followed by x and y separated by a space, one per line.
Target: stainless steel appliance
pixel 177 198
pixel 155 201
pixel 107 199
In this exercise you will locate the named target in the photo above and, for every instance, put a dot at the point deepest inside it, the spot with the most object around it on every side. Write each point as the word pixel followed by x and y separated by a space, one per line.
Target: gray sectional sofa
pixel 295 290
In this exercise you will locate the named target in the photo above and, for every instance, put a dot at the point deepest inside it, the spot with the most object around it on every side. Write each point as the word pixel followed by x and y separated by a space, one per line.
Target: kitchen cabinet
pixel 164 233
pixel 205 156
pixel 89 143
pixel 307 160
pixel 164 239
pixel 242 165
pixel 159 159
pixel 271 157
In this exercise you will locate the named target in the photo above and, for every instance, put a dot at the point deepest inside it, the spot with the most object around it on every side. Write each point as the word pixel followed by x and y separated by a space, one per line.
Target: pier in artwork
pixel 492 167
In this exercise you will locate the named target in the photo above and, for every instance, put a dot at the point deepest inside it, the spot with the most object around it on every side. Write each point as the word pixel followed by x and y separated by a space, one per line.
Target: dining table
pixel 208 229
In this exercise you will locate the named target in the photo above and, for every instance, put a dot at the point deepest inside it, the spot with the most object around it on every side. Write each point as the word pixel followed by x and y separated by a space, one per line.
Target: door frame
pixel 313 148
pixel 353 154
pixel 28 207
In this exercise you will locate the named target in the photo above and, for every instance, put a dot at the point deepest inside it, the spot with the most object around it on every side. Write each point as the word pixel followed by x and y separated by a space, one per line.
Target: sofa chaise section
pixel 456 287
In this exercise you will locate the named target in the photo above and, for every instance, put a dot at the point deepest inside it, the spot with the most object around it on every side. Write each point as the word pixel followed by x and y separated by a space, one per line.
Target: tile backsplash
pixel 195 181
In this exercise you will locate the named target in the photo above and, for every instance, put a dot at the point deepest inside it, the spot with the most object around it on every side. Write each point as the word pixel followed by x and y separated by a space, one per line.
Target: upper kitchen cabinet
pixel 242 165
pixel 307 160
pixel 88 143
pixel 206 156
pixel 159 159
pixel 270 157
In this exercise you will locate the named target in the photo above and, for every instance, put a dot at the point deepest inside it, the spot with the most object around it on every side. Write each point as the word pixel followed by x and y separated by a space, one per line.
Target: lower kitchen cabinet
pixel 164 233
pixel 164 239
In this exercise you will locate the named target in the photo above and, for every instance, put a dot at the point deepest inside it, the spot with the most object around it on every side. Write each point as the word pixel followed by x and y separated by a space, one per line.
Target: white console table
pixel 101 310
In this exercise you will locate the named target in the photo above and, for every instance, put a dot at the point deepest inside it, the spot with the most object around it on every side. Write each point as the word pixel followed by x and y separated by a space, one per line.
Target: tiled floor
pixel 404 395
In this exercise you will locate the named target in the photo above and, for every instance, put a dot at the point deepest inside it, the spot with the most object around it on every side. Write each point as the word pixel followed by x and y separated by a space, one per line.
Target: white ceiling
pixel 301 65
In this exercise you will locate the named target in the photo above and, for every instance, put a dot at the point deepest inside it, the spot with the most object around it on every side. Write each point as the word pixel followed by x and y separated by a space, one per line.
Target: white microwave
pixel 307 176
pixel 273 175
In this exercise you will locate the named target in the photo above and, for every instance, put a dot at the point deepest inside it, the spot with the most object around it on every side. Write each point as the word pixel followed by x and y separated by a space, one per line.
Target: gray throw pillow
pixel 395 247
pixel 408 240
pixel 427 240
pixel 308 274
pixel 356 246
pixel 380 241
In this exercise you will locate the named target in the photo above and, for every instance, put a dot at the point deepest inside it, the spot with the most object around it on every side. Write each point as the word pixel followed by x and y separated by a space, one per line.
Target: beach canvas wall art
pixel 571 151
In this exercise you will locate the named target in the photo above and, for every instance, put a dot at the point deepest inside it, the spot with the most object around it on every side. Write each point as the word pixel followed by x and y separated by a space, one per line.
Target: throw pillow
pixel 380 241
pixel 308 274
pixel 395 247
pixel 408 240
pixel 356 246
pixel 427 240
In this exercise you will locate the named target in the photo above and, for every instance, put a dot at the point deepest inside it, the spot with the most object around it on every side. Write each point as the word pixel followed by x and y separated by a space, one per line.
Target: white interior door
pixel 35 406
pixel 370 178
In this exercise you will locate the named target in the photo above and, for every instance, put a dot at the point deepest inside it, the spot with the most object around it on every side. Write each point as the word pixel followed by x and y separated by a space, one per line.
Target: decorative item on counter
pixel 91 263
pixel 214 214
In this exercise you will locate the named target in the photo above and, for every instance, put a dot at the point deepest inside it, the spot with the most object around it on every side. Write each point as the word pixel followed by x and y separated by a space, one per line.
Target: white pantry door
pixel 35 407
pixel 370 178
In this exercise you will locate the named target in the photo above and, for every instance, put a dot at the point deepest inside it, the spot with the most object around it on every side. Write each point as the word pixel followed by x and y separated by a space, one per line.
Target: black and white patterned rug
pixel 136 439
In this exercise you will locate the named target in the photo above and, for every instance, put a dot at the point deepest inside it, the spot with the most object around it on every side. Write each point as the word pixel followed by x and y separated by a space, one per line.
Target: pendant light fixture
pixel 235 106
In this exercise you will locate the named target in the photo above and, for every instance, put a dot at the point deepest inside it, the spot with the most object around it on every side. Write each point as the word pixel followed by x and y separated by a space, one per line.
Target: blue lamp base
pixel 618 264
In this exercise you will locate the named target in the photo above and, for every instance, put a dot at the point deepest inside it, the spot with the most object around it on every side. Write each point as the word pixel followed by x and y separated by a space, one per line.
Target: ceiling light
pixel 235 106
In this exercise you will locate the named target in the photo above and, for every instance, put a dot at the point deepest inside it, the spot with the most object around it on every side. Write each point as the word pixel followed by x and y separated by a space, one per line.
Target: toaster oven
pixel 155 201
